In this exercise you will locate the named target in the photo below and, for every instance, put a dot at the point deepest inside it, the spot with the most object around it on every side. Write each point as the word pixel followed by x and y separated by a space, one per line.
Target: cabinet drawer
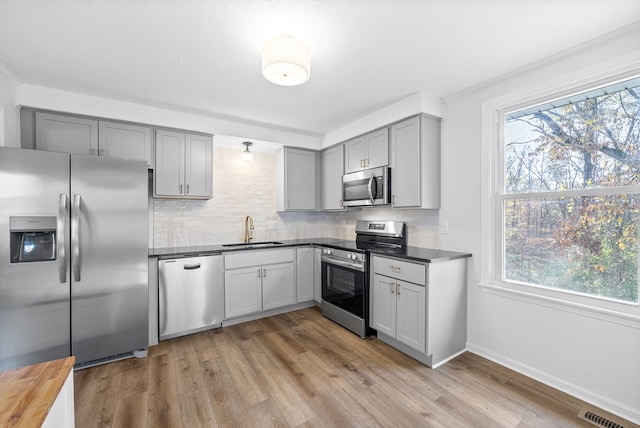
pixel 258 258
pixel 406 271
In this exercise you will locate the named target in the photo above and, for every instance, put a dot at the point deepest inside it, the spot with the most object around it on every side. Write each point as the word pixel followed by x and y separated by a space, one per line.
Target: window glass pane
pixel 588 140
pixel 582 244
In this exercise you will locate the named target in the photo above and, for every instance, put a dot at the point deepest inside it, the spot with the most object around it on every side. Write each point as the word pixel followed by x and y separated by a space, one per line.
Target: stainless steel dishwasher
pixel 191 294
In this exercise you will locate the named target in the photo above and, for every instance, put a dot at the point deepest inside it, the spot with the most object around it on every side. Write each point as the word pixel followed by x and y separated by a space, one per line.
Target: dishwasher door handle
pixel 191 267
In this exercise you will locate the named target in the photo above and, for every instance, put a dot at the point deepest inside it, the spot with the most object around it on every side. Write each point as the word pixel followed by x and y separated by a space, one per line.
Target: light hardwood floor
pixel 302 370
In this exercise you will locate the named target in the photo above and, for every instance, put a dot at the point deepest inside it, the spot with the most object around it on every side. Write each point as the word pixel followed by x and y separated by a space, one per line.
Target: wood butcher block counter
pixel 28 395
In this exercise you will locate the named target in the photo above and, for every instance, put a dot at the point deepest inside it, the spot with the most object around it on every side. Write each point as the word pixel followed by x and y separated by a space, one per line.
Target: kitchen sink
pixel 253 244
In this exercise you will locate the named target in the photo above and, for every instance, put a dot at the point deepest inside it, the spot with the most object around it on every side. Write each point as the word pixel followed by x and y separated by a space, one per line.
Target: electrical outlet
pixel 444 227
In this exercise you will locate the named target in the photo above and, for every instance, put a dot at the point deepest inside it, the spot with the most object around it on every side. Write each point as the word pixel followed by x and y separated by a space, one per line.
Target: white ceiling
pixel 203 56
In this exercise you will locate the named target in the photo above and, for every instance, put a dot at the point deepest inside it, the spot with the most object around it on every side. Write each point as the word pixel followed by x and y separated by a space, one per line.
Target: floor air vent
pixel 597 420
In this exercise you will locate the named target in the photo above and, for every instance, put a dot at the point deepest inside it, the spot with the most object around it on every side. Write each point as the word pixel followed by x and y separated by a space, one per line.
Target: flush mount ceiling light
pixel 247 156
pixel 286 61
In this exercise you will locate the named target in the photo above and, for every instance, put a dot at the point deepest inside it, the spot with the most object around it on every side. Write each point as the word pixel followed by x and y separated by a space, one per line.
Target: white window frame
pixel 493 112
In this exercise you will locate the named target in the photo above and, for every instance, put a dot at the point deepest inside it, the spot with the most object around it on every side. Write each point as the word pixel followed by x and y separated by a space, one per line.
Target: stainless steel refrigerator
pixel 73 257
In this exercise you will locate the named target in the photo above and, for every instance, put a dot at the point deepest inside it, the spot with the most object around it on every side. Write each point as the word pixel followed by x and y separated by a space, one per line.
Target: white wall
pixel 594 357
pixel 9 117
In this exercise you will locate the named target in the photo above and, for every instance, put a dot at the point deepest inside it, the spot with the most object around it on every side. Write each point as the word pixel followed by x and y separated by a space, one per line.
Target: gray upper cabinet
pixel 415 163
pixel 297 180
pixel 183 165
pixel 69 134
pixel 368 151
pixel 121 140
pixel 332 170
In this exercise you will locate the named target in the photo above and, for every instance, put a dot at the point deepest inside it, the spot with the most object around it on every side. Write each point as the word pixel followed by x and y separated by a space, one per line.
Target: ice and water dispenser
pixel 33 239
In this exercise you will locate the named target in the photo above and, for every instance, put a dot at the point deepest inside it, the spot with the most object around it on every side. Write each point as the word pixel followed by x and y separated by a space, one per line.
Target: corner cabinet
pixel 420 308
pixel 255 281
pixel 332 171
pixel 415 163
pixel 183 165
pixel 368 151
pixel 304 274
pixel 297 180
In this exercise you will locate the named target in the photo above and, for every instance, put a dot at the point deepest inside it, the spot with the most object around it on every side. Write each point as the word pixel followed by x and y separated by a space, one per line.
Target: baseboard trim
pixel 619 409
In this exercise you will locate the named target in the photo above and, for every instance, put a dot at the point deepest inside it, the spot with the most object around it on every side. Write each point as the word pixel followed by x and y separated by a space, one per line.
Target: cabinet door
pixel 354 155
pixel 278 285
pixel 332 171
pixel 169 171
pixel 304 274
pixel 405 163
pixel 199 166
pixel 411 327
pixel 300 179
pixel 384 305
pixel 124 141
pixel 242 291
pixel 68 134
pixel 377 148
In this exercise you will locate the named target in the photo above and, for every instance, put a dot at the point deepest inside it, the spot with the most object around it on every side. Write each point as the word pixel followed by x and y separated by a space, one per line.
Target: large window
pixel 569 196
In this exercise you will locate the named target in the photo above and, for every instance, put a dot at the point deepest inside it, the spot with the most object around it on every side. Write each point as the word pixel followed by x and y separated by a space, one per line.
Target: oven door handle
pixel 349 265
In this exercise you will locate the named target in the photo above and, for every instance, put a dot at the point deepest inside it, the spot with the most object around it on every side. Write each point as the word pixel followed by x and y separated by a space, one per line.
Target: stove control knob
pixel 327 251
pixel 352 256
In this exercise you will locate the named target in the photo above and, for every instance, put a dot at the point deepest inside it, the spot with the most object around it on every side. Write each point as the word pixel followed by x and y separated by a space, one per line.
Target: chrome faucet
pixel 248 227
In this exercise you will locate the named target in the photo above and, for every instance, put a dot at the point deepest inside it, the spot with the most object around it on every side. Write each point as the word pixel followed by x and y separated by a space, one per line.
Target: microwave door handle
pixel 370 187
pixel 61 232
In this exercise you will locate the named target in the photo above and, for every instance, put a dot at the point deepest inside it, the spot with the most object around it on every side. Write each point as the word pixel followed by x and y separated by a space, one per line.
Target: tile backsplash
pixel 243 188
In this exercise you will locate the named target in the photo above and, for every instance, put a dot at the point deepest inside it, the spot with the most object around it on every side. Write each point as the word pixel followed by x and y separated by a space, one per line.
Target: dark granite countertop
pixel 419 254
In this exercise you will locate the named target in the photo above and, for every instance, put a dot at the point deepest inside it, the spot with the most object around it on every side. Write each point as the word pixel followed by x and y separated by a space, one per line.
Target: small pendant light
pixel 247 156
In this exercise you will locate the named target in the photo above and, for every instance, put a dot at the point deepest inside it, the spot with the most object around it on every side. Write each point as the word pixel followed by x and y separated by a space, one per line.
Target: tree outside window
pixel 571 193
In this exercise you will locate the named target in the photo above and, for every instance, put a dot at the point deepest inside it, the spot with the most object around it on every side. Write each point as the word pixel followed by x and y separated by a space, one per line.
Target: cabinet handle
pixel 361 163
pixel 180 189
pixel 288 203
pixel 392 288
pixel 102 152
pixel 341 202
pixel 366 162
pixel 395 268
pixel 398 292
pixel 187 189
pixel 264 273
pixel 259 273
pixel 92 151
pixel 393 199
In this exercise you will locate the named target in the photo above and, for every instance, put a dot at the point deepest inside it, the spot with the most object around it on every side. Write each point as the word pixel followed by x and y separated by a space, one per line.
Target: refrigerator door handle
pixel 75 237
pixel 63 218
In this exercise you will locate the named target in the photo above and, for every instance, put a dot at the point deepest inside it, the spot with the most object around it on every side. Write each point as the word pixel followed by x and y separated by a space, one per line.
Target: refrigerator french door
pixel 73 257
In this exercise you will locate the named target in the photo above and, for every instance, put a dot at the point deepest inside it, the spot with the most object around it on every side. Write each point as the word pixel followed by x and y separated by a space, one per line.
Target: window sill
pixel 608 315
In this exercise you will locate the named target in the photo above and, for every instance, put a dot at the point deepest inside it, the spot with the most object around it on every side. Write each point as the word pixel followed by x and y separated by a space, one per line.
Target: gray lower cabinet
pixel 255 281
pixel 304 274
pixel 420 308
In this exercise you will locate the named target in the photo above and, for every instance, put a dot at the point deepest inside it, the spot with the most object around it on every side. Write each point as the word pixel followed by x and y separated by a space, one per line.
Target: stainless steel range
pixel 345 272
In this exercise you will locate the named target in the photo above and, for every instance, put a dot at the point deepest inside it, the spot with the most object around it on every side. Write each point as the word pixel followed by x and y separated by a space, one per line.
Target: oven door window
pixel 344 287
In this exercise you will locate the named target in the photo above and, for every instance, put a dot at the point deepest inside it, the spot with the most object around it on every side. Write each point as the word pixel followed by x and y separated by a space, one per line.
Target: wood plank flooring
pixel 302 370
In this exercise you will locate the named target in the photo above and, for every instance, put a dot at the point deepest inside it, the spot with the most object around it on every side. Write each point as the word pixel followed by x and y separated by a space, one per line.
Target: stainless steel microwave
pixel 367 187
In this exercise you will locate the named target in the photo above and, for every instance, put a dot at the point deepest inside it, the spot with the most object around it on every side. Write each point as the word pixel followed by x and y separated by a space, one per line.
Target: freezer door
pixel 34 295
pixel 109 236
